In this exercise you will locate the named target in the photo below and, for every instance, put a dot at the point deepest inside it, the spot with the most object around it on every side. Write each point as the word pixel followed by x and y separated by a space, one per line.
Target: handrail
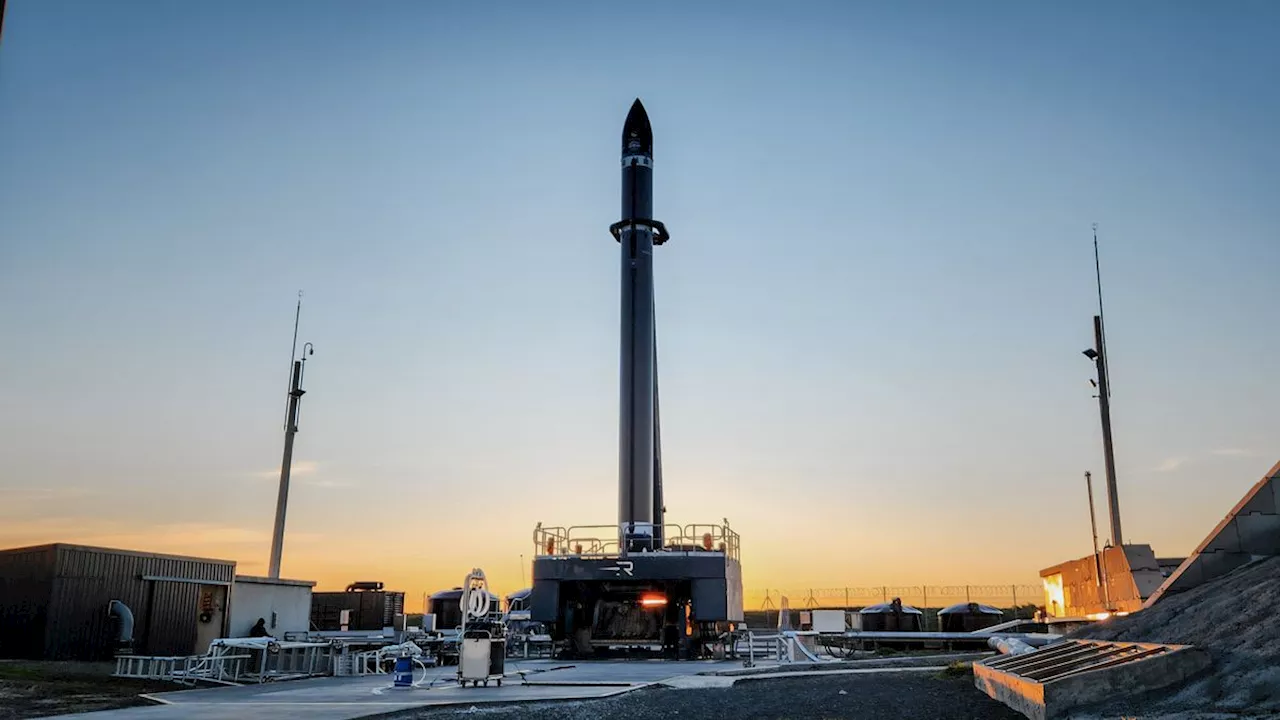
pixel 601 541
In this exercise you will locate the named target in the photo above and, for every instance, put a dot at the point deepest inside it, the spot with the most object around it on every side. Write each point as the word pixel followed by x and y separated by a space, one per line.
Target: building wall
pixel 1131 574
pixel 26 581
pixel 212 615
pixel 284 604
pixel 162 591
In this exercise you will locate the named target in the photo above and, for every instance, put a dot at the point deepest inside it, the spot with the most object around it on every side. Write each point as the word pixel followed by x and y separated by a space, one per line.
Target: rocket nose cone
pixel 637 135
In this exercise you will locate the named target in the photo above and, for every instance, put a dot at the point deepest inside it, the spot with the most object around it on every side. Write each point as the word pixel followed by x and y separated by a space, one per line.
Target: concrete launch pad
pixel 595 598
pixel 347 698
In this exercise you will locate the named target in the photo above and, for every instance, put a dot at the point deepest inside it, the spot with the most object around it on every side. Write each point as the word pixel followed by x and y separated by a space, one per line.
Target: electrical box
pixel 828 621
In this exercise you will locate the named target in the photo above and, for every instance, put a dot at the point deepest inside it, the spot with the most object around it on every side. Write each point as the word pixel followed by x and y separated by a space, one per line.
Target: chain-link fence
pixel 763 607
pixel 1018 601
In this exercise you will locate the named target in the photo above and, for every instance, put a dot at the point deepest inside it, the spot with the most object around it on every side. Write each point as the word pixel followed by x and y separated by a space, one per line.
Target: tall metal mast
pixel 1099 562
pixel 1097 272
pixel 296 367
pixel 1099 356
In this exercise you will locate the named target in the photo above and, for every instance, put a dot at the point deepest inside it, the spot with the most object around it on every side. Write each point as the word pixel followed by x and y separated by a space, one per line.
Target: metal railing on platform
pixel 601 541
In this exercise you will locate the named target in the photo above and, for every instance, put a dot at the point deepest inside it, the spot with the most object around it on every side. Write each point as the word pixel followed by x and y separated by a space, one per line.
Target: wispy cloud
pixel 201 539
pixel 48 493
pixel 29 502
pixel 1233 452
pixel 304 472
pixel 1170 464
pixel 299 468
pixel 325 483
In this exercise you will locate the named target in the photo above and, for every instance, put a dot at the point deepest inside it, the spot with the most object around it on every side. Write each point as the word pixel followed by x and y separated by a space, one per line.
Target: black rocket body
pixel 677 591
pixel 639 460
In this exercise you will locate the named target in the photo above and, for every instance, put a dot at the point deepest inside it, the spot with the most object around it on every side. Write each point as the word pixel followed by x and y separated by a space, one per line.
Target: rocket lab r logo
pixel 622 566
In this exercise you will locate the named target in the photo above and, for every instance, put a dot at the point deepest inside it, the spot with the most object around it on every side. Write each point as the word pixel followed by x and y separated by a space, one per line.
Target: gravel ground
pixel 905 696
pixel 1234 618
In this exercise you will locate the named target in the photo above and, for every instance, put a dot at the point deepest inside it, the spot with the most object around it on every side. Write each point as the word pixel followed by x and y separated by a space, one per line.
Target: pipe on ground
pixel 1009 646
pixel 121 613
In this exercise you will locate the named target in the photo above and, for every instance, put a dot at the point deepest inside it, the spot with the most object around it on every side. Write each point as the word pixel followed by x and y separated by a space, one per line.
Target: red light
pixel 653 600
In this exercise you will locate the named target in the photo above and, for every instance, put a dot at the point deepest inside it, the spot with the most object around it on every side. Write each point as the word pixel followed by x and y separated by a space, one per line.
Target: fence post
pixel 846 599
pixel 1014 588
pixel 966 594
pixel 926 608
pixel 884 594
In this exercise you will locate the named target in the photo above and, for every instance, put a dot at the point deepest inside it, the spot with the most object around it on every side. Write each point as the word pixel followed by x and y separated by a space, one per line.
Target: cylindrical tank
pixel 967 617
pixel 519 600
pixel 891 617
pixel 446 605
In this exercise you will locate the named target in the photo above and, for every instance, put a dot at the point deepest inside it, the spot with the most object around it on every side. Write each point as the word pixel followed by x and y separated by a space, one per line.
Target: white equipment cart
pixel 478 660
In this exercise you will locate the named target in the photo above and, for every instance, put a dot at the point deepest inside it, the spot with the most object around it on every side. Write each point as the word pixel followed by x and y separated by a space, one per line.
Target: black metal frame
pixel 660 234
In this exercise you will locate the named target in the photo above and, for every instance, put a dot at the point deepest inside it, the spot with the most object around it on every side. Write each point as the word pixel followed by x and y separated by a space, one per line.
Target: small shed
pixel 284 604
pixel 56 602
pixel 968 617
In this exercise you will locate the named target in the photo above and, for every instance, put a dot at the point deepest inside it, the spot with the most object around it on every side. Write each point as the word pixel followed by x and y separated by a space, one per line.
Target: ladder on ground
pixel 757 647
pixel 781 647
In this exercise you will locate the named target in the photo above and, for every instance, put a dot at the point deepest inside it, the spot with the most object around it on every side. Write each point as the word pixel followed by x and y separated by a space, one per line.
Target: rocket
pixel 640 505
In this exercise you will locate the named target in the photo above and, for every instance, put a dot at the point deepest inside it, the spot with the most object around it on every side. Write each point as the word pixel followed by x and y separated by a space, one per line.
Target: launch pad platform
pixel 675 600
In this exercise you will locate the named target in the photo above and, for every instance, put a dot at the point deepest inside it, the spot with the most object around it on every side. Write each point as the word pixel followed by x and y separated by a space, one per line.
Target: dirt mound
pixel 1236 618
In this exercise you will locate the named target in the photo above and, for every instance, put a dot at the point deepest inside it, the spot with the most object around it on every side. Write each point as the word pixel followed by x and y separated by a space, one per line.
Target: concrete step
pixel 1049 682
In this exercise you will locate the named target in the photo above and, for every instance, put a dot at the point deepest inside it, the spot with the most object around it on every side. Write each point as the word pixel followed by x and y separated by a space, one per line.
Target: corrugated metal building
pixel 54 599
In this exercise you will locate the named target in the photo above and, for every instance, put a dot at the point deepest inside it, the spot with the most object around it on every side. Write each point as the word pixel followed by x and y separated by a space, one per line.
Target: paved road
pixel 346 698
pixel 559 691
pixel 897 695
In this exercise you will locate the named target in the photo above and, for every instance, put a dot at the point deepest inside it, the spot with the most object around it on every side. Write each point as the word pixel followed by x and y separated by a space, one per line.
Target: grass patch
pixel 33 689
pixel 20 671
pixel 957 669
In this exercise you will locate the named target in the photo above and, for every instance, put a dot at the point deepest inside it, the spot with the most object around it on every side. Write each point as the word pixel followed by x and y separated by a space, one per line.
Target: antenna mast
pixel 1099 562
pixel 294 398
pixel 1097 271
pixel 1099 355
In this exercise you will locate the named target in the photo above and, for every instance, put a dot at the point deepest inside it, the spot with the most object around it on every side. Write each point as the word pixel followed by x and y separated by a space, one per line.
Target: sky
pixel 870 312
